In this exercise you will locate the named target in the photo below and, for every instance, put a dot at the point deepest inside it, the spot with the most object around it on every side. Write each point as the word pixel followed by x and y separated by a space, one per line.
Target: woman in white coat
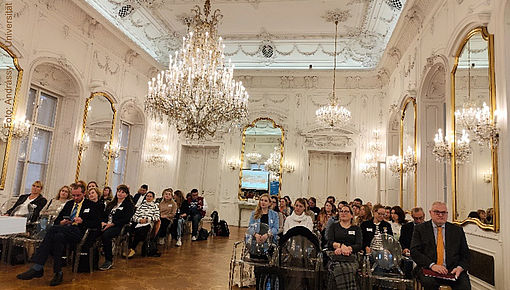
pixel 298 218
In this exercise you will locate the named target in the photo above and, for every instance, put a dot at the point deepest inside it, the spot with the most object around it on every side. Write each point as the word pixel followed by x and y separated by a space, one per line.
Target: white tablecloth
pixel 12 225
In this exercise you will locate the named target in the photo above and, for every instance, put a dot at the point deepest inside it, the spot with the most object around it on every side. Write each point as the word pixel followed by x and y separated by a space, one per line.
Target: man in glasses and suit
pixel 74 219
pixel 441 247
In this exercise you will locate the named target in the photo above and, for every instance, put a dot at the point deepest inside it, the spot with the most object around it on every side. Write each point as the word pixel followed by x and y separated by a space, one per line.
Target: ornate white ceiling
pixel 294 33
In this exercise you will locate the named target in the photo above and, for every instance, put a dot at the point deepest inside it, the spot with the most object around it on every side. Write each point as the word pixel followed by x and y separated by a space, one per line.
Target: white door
pixel 199 169
pixel 329 174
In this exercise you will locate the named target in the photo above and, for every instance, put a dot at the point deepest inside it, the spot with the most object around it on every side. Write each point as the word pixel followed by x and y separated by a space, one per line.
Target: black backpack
pixel 222 229
pixel 202 234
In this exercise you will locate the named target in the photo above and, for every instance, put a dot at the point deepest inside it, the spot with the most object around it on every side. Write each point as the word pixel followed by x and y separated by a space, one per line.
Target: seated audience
pixel 356 211
pixel 107 195
pixel 281 217
pixel 328 211
pixel 91 184
pixel 72 222
pixel 298 217
pixel 180 215
pixel 196 212
pixel 483 216
pixel 312 205
pixel 357 201
pixel 55 205
pixel 376 224
pixel 288 201
pixel 387 213
pixel 490 215
pixel 93 195
pixel 117 214
pixel 365 214
pixel 342 203
pixel 140 195
pixel 167 210
pixel 398 219
pixel 29 205
pixel 263 214
pixel 283 208
pixel 331 199
pixel 441 247
pixel 406 232
pixel 345 239
pixel 473 215
pixel 145 215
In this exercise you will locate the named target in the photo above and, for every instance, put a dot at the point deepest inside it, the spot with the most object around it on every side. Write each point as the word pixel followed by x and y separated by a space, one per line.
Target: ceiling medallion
pixel 333 114
pixel 198 92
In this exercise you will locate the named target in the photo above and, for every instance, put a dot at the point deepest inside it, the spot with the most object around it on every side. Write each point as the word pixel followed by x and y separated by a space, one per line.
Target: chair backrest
pixel 299 248
pixel 386 251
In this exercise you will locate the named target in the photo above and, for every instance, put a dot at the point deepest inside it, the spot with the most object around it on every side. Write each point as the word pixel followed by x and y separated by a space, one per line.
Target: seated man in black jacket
pixel 75 218
pixel 376 224
pixel 441 247
pixel 406 232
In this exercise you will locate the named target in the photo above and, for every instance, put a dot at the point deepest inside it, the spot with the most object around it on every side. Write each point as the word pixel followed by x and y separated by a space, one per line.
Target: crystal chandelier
pixel 333 114
pixel 20 128
pixel 158 152
pixel 443 150
pixel 111 150
pixel 369 166
pixel 83 144
pixel 272 164
pixel 406 164
pixel 253 157
pixel 198 92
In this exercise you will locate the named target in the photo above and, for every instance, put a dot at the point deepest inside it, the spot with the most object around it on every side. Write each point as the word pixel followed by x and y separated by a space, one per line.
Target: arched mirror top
pixel 10 78
pixel 261 159
pixel 474 163
pixel 97 138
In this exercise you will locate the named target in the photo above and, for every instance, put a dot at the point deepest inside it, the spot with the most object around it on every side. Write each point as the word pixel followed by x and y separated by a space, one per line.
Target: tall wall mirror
pixel 261 159
pixel 408 172
pixel 475 170
pixel 10 81
pixel 94 153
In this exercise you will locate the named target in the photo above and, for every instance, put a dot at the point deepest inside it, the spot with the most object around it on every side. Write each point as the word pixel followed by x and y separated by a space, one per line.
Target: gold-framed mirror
pixel 408 145
pixel 261 159
pixel 474 164
pixel 10 80
pixel 94 152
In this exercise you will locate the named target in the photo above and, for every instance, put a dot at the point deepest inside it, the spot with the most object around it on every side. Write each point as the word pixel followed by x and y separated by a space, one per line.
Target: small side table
pixel 242 206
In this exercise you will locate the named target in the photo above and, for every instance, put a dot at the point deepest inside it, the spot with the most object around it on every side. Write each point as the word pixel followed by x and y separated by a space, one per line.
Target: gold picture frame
pixel 83 128
pixel 494 154
pixel 243 148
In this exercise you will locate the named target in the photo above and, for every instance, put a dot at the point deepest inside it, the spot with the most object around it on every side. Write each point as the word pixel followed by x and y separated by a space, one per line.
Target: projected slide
pixel 258 180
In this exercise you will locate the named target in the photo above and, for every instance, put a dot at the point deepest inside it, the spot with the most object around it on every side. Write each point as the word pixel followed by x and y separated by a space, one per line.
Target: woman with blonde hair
pixel 57 203
pixel 263 214
pixel 298 218
pixel 29 205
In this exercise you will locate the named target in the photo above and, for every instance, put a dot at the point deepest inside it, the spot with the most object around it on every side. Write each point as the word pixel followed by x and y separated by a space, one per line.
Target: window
pixel 34 150
pixel 119 167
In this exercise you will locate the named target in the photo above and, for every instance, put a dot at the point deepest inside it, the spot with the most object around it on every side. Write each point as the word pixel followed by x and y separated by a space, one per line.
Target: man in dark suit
pixel 75 218
pixel 441 247
pixel 406 233
pixel 140 195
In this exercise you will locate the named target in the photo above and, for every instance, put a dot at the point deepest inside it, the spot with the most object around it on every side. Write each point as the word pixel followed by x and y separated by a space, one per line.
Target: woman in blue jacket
pixel 264 215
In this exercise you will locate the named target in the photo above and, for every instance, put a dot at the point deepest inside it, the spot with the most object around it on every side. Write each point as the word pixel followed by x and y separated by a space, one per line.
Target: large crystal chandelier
pixel 20 128
pixel 333 114
pixel 253 157
pixel 369 167
pixel 443 149
pixel 198 92
pixel 272 164
pixel 405 164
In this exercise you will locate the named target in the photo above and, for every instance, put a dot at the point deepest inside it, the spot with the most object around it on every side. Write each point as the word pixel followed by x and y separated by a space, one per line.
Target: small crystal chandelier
pixel 406 164
pixel 158 151
pixel 443 149
pixel 111 150
pixel 369 166
pixel 198 92
pixel 20 128
pixel 333 114
pixel 253 157
pixel 83 144
pixel 272 164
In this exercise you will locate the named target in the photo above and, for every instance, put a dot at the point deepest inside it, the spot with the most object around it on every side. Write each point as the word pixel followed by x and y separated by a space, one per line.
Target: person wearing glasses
pixel 345 239
pixel 441 247
pixel 376 224
pixel 406 232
